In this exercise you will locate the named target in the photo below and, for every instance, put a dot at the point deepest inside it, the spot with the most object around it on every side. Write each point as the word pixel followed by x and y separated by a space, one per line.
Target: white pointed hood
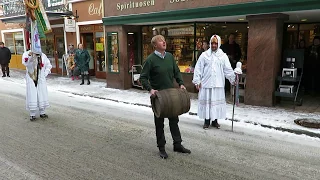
pixel 217 53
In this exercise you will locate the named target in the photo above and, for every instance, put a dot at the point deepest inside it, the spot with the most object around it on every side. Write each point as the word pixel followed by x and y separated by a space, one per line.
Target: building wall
pixel 118 7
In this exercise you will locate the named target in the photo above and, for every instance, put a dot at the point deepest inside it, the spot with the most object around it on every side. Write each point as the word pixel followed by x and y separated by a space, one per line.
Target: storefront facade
pixel 89 32
pixel 13 33
pixel 259 27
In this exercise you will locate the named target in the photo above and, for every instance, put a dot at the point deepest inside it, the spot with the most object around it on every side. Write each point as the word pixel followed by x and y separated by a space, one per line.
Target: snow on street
pixel 90 138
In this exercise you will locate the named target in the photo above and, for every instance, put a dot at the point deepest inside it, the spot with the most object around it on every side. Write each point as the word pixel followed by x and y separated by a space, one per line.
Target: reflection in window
pixel 47 47
pixel 113 52
pixel 101 66
pixel 184 41
pixel 180 42
pixel 14 41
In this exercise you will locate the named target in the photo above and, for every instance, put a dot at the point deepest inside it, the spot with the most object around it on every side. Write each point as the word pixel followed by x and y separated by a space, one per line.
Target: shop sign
pixel 134 4
pixel 70 25
pixel 181 31
pixel 95 10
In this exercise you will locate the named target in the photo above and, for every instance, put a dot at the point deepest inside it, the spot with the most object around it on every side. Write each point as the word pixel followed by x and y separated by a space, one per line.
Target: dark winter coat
pixel 5 55
pixel 82 59
pixel 236 52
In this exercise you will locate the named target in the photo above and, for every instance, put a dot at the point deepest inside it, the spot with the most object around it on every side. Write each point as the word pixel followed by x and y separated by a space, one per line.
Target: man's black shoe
pixel 43 116
pixel 162 152
pixel 3 75
pixel 181 149
pixel 32 118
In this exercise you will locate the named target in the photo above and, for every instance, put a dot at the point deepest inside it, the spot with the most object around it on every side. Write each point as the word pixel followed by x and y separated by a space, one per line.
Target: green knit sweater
pixel 158 73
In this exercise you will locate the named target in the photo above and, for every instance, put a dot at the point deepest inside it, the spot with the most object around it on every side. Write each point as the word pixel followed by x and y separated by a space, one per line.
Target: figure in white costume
pixel 212 67
pixel 38 67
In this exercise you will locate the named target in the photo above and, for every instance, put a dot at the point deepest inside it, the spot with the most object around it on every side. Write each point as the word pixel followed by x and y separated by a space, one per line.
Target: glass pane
pixel 306 34
pixel 60 50
pixel 9 42
pixel 113 52
pixel 132 47
pixel 18 37
pixel 180 43
pixel 89 45
pixel 233 36
pixel 100 54
pixel 47 46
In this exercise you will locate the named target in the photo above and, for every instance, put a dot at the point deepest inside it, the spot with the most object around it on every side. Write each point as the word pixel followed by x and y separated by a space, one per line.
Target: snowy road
pixel 86 138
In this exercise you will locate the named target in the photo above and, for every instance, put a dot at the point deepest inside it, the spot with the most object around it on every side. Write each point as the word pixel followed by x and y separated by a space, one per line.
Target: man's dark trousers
pixel 174 128
pixel 5 68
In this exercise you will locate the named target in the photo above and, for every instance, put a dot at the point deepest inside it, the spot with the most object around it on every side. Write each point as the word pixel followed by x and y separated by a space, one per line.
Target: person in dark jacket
pixel 233 50
pixel 82 59
pixel 5 57
pixel 157 74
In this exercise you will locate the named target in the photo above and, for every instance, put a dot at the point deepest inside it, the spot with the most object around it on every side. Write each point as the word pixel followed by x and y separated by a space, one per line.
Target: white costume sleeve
pixel 228 71
pixel 27 61
pixel 47 65
pixel 198 70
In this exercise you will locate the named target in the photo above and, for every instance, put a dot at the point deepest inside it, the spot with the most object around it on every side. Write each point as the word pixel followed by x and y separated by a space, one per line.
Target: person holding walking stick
pixel 212 68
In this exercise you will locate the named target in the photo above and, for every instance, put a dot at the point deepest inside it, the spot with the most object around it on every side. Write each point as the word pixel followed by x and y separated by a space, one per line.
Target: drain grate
pixel 309 123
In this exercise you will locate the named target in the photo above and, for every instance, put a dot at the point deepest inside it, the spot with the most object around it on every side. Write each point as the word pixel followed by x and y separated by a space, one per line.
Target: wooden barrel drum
pixel 170 102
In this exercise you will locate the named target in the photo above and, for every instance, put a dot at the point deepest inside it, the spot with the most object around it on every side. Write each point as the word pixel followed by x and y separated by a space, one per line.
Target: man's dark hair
pixel 1 43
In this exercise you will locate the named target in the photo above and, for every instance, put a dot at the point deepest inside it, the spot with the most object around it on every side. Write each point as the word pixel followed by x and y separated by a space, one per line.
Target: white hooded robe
pixel 210 72
pixel 36 96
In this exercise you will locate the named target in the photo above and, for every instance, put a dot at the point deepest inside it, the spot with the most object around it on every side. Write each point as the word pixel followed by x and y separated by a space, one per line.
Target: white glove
pixel 238 70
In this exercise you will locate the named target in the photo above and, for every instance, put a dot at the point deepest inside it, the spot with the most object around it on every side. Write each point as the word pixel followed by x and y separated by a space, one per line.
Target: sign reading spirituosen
pixel 134 4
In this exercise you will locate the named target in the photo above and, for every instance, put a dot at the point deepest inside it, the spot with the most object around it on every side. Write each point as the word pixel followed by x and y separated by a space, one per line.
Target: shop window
pixel 180 43
pixel 306 34
pixel 113 52
pixel 47 47
pixel 14 41
pixel 132 47
pixel 204 31
pixel 100 54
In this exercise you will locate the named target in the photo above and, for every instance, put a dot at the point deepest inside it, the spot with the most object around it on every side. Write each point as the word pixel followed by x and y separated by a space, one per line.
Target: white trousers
pixel 33 113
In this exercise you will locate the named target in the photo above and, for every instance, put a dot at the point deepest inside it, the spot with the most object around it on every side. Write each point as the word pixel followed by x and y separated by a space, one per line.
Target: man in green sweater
pixel 157 74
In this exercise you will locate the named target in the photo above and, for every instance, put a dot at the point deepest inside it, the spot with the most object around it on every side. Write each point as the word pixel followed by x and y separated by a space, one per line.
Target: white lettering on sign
pixel 134 4
pixel 95 10
pixel 178 1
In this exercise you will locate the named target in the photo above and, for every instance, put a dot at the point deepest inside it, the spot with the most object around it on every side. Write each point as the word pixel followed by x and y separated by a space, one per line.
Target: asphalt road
pixel 95 139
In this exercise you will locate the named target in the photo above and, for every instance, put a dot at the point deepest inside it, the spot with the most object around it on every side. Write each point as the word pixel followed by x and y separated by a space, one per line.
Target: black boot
pixel 181 149
pixel 82 80
pixel 32 118
pixel 88 79
pixel 43 116
pixel 215 124
pixel 4 75
pixel 206 124
pixel 162 152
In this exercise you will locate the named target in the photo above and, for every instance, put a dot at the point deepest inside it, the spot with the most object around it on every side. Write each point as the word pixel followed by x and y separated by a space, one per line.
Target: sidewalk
pixel 273 118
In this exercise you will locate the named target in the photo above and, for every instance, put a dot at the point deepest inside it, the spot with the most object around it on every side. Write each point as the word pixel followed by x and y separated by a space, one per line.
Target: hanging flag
pixel 35 42
pixel 42 19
